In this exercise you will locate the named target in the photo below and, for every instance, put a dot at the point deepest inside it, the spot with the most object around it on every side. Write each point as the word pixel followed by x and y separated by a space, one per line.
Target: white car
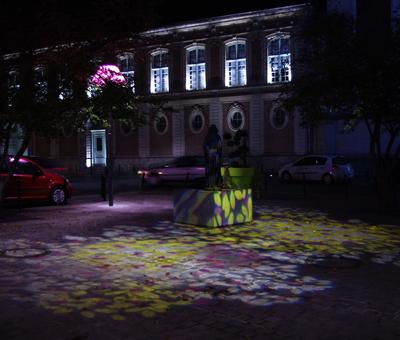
pixel 182 169
pixel 327 169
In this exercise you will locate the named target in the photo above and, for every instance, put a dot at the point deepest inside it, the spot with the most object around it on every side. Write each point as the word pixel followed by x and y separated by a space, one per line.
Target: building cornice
pixel 227 20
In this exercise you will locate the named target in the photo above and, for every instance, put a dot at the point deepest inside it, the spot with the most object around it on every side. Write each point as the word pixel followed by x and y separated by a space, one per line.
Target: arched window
pixel 159 72
pixel 235 63
pixel 125 64
pixel 13 81
pixel 279 60
pixel 195 68
pixel 40 83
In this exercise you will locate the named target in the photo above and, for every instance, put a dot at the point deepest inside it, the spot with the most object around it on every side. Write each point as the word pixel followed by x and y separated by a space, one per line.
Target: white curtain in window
pixel 195 69
pixel 235 64
pixel 279 61
pixel 159 73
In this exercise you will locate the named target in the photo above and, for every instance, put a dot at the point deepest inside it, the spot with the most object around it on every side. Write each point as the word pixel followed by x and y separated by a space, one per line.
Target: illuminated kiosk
pixel 213 208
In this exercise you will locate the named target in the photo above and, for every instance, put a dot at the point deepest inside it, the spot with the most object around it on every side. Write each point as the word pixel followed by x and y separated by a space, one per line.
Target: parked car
pixel 31 182
pixel 183 169
pixel 324 168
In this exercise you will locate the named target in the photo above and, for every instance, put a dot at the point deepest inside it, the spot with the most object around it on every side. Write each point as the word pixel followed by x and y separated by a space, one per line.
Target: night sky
pixel 209 8
pixel 45 22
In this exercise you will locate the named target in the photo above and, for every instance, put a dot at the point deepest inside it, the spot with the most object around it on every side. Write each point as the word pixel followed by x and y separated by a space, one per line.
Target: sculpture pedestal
pixel 213 208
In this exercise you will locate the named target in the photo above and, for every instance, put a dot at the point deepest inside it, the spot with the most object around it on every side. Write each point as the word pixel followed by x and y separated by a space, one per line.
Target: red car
pixel 31 182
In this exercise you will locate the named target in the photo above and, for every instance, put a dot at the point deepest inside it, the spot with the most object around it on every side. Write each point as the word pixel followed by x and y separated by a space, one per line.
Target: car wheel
pixel 58 196
pixel 286 176
pixel 327 179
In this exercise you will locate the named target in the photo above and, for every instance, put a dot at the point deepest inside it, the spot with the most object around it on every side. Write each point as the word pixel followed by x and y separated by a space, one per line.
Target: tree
pixel 42 102
pixel 112 99
pixel 65 38
pixel 345 73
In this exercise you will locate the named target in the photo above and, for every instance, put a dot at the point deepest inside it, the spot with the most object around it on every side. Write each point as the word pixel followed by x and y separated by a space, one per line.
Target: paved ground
pixel 306 268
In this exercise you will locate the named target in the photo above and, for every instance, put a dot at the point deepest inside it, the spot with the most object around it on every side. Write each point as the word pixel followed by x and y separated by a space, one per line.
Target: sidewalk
pixel 127 272
pixel 93 184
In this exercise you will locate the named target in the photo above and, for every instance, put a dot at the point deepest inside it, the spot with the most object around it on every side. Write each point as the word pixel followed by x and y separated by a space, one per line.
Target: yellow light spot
pixel 88 314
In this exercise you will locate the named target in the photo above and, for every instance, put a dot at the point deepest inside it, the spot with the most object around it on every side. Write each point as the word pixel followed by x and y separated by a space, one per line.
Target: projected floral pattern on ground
pixel 149 270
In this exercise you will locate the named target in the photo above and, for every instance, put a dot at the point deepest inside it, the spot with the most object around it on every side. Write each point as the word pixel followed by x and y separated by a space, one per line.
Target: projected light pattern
pixel 148 271
pixel 213 208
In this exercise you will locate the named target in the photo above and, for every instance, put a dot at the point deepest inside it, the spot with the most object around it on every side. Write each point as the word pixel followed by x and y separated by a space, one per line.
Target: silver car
pixel 327 169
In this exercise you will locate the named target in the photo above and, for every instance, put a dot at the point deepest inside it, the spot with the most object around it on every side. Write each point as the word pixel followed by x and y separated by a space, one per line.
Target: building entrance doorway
pixel 99 154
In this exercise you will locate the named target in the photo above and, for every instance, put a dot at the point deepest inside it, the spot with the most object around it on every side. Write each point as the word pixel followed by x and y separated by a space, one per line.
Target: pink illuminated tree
pixel 112 100
pixel 107 73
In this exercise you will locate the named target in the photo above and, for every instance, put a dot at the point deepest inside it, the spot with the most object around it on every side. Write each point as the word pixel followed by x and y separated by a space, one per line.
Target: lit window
pixel 235 63
pixel 125 63
pixel 236 118
pixel 64 87
pixel 13 86
pixel 13 79
pixel 195 68
pixel 159 72
pixel 40 83
pixel 278 60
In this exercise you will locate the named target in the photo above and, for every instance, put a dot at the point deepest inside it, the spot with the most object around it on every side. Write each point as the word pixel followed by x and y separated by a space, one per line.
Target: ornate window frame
pixel 156 121
pixel 195 73
pixel 282 61
pixel 196 111
pixel 159 76
pixel 122 128
pixel 129 70
pixel 236 108
pixel 235 68
pixel 272 115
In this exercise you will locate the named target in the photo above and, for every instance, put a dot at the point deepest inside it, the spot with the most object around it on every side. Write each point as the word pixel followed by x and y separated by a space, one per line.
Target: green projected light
pixel 213 208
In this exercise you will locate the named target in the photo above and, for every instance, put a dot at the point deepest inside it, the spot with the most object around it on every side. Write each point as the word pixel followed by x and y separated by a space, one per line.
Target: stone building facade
pixel 226 71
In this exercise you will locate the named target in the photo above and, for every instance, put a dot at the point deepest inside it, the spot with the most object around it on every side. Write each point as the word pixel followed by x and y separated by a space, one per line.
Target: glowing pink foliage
pixel 107 73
